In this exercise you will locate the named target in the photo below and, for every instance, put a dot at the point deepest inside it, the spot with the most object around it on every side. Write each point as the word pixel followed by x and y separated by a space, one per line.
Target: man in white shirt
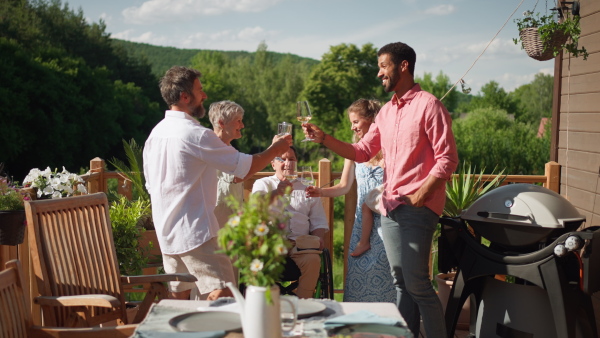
pixel 181 159
pixel 308 218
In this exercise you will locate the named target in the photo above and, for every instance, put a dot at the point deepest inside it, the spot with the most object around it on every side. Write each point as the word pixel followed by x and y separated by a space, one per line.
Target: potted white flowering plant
pixel 54 184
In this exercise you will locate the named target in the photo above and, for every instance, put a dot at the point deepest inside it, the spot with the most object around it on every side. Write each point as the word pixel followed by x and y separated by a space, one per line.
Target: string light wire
pixel 486 47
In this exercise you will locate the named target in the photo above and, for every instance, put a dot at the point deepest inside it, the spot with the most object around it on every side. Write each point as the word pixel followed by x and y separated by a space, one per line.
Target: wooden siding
pixel 577 111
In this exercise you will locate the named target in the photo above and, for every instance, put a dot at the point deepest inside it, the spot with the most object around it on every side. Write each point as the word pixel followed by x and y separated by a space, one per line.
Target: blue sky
pixel 448 35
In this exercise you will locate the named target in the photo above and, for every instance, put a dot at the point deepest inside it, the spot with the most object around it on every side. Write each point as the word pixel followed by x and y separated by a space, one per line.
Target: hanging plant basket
pixel 12 227
pixel 533 45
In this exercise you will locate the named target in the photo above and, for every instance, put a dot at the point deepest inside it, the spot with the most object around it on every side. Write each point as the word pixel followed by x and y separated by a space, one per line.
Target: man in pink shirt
pixel 414 131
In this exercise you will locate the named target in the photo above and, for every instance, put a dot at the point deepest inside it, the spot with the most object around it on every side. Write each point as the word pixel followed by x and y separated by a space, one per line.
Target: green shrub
pixel 125 215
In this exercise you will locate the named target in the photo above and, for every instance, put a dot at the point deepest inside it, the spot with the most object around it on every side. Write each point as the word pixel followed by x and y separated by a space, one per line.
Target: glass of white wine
pixel 284 128
pixel 289 170
pixel 306 175
pixel 303 114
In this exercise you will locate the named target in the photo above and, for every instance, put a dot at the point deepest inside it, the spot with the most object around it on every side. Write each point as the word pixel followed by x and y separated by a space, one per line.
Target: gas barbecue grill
pixel 533 239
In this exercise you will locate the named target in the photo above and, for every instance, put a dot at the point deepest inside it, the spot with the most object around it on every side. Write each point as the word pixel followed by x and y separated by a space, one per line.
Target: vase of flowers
pixel 255 238
pixel 54 184
pixel 12 213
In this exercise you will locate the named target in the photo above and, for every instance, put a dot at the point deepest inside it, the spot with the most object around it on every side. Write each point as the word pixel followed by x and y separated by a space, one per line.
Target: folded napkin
pixel 360 317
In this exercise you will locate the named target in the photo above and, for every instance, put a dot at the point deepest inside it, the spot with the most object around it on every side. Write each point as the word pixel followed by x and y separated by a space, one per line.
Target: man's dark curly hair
pixel 399 52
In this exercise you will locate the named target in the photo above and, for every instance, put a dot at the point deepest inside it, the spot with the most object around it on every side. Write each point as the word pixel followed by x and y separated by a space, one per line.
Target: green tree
pixel 490 138
pixel 535 99
pixel 67 95
pixel 345 74
pixel 493 96
pixel 266 84
pixel 439 87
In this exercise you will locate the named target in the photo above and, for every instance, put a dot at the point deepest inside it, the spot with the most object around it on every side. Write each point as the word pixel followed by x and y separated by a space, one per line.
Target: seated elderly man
pixel 308 218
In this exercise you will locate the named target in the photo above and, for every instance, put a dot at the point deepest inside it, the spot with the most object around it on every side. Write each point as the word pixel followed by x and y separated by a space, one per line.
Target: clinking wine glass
pixel 289 171
pixel 306 175
pixel 303 114
pixel 284 128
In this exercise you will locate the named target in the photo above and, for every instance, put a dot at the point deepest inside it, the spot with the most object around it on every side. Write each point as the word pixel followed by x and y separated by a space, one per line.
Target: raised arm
pixel 339 189
pixel 341 148
pixel 259 161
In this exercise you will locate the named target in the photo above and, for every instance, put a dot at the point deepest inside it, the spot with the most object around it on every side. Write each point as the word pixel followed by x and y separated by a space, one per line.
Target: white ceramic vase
pixel 259 318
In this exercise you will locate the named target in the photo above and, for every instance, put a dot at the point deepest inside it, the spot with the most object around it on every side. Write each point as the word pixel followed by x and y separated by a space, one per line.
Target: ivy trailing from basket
pixel 548 28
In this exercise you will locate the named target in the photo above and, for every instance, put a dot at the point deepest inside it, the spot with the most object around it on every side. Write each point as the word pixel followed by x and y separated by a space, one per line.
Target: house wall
pixel 576 142
pixel 576 124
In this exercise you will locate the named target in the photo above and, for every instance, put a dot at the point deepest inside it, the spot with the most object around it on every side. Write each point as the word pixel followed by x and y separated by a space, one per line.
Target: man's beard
pixel 198 111
pixel 391 83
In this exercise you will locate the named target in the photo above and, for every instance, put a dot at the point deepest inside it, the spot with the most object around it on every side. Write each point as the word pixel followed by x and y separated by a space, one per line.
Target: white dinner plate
pixel 384 331
pixel 207 321
pixel 306 307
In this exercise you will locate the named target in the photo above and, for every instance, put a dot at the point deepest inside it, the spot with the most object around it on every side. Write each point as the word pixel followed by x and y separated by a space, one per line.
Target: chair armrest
pixel 172 277
pixel 80 300
pixel 121 331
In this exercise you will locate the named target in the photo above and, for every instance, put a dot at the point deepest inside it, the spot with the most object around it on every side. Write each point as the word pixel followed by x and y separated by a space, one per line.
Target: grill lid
pixel 524 205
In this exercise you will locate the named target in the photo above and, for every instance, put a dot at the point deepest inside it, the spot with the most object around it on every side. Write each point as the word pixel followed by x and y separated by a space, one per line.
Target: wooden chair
pixel 73 253
pixel 15 319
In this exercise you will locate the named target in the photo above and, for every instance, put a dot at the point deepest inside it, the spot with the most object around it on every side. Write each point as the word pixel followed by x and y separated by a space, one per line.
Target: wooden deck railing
pixel 98 178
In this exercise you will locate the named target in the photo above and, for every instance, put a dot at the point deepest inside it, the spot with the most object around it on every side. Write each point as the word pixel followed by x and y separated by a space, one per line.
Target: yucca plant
pixel 465 188
pixel 135 170
pixel 462 190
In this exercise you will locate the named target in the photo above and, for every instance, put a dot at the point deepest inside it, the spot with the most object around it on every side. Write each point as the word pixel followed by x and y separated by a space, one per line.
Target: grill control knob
pixel 573 243
pixel 560 250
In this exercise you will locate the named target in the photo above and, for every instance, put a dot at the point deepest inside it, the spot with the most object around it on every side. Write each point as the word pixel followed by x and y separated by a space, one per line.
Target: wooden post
pixel 350 202
pixel 97 166
pixel 324 177
pixel 552 176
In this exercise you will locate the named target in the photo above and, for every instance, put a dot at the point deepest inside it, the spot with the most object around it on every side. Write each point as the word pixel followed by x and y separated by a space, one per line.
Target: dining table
pixel 159 321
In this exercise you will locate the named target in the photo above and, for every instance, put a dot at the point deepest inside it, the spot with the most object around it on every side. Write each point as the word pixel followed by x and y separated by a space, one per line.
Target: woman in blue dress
pixel 368 278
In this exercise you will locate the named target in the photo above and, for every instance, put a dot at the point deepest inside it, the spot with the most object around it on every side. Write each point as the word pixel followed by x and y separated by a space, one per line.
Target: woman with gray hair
pixel 226 118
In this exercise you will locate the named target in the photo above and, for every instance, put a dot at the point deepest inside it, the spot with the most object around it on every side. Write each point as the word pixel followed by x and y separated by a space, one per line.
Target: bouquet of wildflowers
pixel 255 238
pixel 54 184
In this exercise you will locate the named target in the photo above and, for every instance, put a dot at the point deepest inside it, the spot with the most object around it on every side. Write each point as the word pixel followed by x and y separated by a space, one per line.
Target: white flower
pixel 281 249
pixel 56 185
pixel 261 230
pixel 234 221
pixel 256 265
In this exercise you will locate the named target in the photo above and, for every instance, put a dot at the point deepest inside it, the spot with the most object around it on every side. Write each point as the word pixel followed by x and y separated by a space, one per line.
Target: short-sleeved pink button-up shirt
pixel 415 134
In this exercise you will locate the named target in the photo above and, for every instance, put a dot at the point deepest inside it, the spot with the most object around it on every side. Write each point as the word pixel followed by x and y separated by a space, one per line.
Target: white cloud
pixel 146 37
pixel 440 10
pixel 157 11
pixel 107 18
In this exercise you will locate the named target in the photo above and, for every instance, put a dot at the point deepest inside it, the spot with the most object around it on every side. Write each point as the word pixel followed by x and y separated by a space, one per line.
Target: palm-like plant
pixel 465 188
pixel 134 172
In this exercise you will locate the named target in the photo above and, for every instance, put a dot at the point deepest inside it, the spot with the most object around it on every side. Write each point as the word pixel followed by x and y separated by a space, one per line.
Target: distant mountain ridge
pixel 162 58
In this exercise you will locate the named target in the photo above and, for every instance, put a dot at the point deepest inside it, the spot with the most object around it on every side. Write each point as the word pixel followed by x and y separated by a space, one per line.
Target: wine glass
pixel 306 175
pixel 289 170
pixel 284 128
pixel 303 114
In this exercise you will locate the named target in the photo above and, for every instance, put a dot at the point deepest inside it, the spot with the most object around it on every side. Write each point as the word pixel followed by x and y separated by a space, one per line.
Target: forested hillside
pixel 162 58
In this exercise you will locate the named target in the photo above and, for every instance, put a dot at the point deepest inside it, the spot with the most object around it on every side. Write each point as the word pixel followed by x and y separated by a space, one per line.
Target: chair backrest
pixel 14 316
pixel 73 252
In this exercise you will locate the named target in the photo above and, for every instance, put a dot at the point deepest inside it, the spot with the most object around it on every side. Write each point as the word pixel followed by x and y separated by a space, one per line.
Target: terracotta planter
pixel 444 282
pixel 12 227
